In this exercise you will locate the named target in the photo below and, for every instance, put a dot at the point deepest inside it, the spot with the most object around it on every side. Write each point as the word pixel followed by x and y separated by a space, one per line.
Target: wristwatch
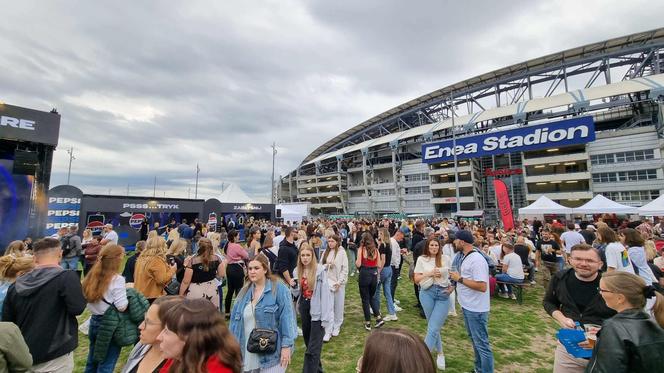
pixel 460 280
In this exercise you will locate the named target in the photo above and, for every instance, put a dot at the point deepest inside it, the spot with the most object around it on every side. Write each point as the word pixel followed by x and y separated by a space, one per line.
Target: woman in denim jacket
pixel 265 302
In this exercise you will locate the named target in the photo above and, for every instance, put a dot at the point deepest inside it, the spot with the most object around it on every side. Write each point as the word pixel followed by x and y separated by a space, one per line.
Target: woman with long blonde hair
pixel 16 248
pixel 314 304
pixel 103 287
pixel 152 271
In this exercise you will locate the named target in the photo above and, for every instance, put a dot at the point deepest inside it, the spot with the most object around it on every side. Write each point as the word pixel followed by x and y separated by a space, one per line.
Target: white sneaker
pixel 299 331
pixel 397 308
pixel 327 337
pixel 335 332
pixel 513 296
pixel 503 295
pixel 440 361
pixel 391 318
pixel 396 301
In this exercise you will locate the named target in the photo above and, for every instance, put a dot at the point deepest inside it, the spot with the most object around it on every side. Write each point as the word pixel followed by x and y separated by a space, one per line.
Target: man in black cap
pixel 472 278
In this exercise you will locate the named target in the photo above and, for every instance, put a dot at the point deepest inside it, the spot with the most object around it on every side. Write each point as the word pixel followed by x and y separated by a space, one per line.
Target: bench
pixel 518 288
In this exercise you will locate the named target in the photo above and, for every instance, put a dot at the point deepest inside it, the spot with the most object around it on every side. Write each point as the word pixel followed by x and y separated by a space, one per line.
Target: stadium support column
pixel 365 152
pixel 394 146
pixel 341 192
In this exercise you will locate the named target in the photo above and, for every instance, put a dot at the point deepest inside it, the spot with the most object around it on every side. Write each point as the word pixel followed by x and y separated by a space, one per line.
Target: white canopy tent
pixel 600 204
pixel 234 194
pixel 544 205
pixel 655 207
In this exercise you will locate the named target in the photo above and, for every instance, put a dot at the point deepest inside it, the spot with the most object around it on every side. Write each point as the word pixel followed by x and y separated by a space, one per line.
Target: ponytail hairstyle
pixel 367 241
pixel 99 279
pixel 199 324
pixel 635 291
pixel 205 252
pixel 12 266
pixel 16 248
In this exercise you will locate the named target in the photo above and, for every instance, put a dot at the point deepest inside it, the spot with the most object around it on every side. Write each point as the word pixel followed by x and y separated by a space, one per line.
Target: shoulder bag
pixel 262 341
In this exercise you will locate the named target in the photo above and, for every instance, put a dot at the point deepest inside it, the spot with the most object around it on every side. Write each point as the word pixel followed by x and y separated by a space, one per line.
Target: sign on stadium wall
pixel 573 131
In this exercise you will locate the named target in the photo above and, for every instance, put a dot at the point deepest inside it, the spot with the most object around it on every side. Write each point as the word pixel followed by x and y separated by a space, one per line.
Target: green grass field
pixel 522 336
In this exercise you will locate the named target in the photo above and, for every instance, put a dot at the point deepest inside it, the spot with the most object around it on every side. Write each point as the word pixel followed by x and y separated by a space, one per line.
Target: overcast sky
pixel 150 88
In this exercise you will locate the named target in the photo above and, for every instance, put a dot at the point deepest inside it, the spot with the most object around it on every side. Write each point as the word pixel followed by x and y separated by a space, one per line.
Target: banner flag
pixel 503 202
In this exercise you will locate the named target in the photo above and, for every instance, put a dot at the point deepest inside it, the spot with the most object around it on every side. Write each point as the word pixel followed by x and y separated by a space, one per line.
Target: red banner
pixel 503 202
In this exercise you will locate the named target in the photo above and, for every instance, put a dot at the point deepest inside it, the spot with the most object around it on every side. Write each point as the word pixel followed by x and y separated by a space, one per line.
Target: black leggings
pixel 368 282
pixel 235 281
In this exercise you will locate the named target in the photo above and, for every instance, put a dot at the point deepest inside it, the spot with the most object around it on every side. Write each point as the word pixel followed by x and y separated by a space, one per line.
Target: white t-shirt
pixel 514 266
pixel 571 238
pixel 396 252
pixel 448 249
pixel 496 250
pixel 638 256
pixel 617 257
pixel 426 264
pixel 115 294
pixel 474 267
pixel 112 236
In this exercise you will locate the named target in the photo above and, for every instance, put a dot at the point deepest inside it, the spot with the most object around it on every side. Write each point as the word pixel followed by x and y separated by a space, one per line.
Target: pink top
pixel 236 253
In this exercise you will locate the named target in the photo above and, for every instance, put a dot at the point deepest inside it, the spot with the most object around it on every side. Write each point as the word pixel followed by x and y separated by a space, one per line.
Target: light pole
pixel 274 154
pixel 70 151
pixel 456 172
pixel 198 170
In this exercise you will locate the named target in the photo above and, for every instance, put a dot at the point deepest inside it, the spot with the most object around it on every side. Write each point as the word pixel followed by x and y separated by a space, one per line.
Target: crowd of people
pixel 603 277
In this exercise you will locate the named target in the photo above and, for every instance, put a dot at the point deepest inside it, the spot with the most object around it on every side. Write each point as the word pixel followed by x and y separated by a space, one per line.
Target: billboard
pixel 17 123
pixel 573 131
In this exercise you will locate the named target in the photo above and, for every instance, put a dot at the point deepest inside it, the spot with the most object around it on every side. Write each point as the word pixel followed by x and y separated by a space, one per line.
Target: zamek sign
pixel 17 123
pixel 562 133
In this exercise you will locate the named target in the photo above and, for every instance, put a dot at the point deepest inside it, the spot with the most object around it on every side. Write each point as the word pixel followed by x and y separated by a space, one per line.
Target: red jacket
pixel 213 365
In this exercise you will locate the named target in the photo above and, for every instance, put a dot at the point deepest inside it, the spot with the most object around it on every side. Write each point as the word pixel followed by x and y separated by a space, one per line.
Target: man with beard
pixel 573 296
pixel 472 278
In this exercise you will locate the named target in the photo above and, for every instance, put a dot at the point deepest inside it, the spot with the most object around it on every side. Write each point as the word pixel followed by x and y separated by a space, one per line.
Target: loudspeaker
pixel 278 213
pixel 25 162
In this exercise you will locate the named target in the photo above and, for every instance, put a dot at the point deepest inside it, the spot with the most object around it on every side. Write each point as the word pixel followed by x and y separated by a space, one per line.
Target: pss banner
pixel 573 131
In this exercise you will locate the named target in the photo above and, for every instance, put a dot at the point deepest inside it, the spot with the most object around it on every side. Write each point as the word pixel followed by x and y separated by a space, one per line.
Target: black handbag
pixel 262 341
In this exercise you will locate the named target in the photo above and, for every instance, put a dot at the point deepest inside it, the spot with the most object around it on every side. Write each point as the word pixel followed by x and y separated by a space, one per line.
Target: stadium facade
pixel 418 158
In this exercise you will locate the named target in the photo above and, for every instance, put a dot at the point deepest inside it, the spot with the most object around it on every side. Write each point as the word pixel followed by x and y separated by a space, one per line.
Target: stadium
pixel 599 110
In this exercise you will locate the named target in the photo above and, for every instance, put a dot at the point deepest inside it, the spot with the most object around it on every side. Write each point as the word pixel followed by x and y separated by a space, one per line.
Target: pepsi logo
pixel 136 220
pixel 95 226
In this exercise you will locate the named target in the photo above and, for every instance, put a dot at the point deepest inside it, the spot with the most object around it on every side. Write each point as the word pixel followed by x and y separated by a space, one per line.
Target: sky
pixel 151 89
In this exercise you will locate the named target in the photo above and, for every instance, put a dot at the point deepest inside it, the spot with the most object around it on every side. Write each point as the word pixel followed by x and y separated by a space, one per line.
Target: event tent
pixel 655 207
pixel 544 205
pixel 600 204
pixel 234 194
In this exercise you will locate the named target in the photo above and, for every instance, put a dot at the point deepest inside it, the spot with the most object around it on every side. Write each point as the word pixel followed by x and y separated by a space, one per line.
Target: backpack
pixel 65 244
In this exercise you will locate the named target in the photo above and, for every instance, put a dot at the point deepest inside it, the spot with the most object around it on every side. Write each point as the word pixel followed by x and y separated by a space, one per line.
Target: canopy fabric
pixel 655 207
pixel 544 205
pixel 600 204
pixel 234 194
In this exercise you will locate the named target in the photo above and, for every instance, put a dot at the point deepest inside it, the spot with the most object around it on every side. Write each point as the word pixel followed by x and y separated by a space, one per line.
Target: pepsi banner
pixel 573 131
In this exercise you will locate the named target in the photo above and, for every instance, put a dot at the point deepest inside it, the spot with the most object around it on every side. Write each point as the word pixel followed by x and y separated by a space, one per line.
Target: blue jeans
pixel 351 261
pixel 69 263
pixel 561 263
pixel 108 364
pixel 504 277
pixel 477 326
pixel 435 302
pixel 385 281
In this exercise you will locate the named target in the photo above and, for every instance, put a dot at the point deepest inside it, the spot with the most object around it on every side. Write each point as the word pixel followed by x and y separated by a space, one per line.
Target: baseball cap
pixel 465 236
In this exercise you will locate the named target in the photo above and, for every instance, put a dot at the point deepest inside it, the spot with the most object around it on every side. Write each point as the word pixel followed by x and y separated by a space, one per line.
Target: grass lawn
pixel 522 336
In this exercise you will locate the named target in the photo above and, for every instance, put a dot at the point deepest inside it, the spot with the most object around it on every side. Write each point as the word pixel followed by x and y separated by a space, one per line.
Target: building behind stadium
pixel 402 161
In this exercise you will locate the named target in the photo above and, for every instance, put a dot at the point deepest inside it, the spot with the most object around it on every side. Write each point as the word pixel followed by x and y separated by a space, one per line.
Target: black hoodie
pixel 44 304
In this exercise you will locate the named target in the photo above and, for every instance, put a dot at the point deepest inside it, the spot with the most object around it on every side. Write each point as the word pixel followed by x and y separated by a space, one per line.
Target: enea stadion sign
pixel 566 132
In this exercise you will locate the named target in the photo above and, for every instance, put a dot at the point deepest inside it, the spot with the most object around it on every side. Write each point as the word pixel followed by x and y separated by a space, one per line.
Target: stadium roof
pixel 530 67
pixel 580 96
